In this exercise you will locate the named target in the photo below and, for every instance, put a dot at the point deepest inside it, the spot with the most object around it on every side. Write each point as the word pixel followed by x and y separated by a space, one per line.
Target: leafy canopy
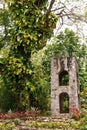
pixel 29 31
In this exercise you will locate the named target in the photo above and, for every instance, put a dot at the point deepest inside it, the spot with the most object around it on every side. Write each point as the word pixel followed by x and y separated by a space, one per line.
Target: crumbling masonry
pixel 64 85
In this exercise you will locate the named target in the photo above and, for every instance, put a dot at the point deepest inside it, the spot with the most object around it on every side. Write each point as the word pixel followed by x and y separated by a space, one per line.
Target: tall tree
pixel 29 32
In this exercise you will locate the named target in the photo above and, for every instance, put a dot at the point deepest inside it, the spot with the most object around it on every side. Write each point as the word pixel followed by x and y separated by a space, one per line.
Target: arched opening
pixel 63 78
pixel 64 103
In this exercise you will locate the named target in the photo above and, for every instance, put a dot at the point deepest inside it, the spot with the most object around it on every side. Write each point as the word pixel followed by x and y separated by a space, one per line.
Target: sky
pixel 81 7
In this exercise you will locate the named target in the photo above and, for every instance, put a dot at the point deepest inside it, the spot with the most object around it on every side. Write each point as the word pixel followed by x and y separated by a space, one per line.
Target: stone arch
pixel 64 102
pixel 63 78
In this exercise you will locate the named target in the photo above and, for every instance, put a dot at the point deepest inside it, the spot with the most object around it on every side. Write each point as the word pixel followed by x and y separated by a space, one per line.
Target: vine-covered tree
pixel 29 32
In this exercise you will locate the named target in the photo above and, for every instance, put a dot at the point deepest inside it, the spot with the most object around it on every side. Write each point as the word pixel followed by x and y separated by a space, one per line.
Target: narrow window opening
pixel 63 78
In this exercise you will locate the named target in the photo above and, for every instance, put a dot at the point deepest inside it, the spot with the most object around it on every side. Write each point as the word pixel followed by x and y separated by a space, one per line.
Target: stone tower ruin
pixel 64 85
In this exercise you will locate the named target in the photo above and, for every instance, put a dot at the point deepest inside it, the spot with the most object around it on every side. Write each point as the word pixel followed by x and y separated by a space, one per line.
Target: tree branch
pixel 49 10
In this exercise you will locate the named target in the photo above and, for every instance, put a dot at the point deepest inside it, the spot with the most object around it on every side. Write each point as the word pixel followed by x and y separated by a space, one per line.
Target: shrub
pixel 75 113
pixel 7 126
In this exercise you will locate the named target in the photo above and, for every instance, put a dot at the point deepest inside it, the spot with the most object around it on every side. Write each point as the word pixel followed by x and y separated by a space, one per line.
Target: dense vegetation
pixel 32 121
pixel 29 31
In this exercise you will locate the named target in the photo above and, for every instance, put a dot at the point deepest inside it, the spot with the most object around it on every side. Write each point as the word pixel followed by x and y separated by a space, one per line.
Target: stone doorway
pixel 64 103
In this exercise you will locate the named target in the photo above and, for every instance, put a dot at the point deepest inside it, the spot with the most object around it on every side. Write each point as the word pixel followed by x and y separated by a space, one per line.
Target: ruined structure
pixel 64 85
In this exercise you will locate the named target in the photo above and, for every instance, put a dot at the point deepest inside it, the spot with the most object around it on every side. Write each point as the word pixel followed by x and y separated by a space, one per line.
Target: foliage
pixel 40 124
pixel 7 126
pixel 50 125
pixel 83 119
pixel 17 121
pixel 18 115
pixel 6 99
pixel 72 125
pixel 41 95
pixel 83 97
pixel 28 33
pixel 75 113
pixel 83 123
